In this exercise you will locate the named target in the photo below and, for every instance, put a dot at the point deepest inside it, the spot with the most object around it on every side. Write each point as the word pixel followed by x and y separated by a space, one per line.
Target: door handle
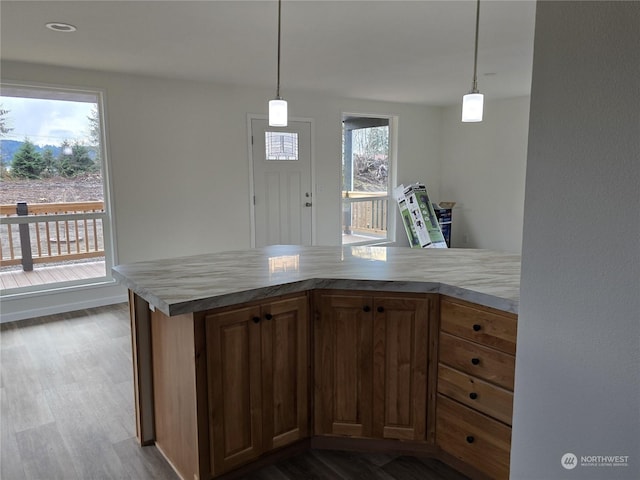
pixel 307 204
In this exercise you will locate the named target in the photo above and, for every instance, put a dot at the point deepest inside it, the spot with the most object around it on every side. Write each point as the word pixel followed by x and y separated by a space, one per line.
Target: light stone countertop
pixel 201 282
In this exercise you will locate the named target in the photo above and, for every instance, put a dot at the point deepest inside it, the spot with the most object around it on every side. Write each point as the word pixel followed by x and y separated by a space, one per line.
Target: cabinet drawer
pixel 480 324
pixel 473 438
pixel 477 360
pixel 475 393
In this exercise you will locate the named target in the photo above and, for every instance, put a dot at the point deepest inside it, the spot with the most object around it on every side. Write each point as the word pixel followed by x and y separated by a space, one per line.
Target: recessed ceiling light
pixel 61 27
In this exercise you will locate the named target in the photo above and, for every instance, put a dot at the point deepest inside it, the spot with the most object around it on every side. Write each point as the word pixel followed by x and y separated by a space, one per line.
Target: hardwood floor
pixel 67 400
pixel 67 411
pixel 43 274
pixel 336 465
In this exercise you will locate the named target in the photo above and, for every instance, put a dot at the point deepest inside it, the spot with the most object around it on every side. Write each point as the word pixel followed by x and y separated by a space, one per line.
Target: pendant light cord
pixel 279 17
pixel 474 88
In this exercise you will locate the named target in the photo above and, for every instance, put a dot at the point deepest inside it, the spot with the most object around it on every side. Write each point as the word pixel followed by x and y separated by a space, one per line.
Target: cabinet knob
pixel 366 308
pixel 380 309
pixel 473 395
pixel 470 439
pixel 256 319
pixel 268 316
pixel 477 327
pixel 475 361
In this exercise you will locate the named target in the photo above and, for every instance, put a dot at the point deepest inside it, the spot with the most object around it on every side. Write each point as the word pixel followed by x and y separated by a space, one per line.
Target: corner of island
pixel 247 355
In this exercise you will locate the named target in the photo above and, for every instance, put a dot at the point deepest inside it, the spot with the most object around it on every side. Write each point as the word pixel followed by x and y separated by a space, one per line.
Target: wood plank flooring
pixel 41 274
pixel 67 411
pixel 336 465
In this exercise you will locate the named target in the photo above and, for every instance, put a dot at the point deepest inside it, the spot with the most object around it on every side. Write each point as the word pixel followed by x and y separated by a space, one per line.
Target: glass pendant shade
pixel 472 107
pixel 278 113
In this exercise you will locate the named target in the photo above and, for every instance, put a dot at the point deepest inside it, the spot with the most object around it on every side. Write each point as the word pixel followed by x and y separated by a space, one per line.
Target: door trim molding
pixel 312 146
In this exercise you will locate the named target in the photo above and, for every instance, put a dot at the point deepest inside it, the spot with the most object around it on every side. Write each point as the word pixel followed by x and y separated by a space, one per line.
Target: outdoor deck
pixel 50 274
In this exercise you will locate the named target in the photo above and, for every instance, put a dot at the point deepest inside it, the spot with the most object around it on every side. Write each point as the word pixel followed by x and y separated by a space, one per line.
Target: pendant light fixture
pixel 473 102
pixel 278 107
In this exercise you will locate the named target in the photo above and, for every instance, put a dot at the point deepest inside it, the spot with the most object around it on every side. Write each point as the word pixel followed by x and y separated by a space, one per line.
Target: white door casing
pixel 282 189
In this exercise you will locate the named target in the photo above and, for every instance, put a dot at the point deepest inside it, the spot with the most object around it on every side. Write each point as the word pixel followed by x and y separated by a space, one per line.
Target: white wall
pixel 577 386
pixel 483 171
pixel 179 157
pixel 421 165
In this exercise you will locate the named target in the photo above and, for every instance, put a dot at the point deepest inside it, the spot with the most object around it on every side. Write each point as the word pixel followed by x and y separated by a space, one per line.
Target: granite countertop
pixel 201 282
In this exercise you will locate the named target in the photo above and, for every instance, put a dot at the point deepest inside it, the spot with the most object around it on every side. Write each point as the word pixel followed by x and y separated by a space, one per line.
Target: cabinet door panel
pixel 400 367
pixel 343 367
pixel 352 369
pixel 371 361
pixel 285 371
pixel 234 377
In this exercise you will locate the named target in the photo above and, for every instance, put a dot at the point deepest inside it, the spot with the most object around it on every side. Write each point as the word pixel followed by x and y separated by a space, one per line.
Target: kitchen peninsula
pixel 239 356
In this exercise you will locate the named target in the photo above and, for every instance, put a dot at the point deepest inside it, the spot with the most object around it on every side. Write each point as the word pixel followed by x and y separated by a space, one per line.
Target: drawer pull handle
pixel 470 439
pixel 380 309
pixel 477 327
pixel 366 308
pixel 475 361
pixel 473 395
pixel 256 319
pixel 268 316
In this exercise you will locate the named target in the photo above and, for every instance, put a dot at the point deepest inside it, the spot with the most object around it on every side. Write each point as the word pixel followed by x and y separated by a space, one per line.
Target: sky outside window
pixel 47 122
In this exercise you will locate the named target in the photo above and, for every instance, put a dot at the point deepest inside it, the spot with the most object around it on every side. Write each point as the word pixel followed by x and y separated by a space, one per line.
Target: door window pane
pixel 281 145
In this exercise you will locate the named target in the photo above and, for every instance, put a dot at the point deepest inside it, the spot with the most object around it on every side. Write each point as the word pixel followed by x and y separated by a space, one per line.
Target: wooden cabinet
pixel 257 376
pixel 475 385
pixel 371 360
pixel 400 362
pixel 232 384
pixel 343 364
pixel 476 439
pixel 477 360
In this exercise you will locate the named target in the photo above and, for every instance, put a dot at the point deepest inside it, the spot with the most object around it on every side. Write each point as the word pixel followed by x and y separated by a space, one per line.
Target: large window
pixel 55 226
pixel 366 179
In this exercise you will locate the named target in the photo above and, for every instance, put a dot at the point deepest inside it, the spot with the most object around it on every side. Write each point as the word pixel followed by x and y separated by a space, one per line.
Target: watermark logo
pixel 569 461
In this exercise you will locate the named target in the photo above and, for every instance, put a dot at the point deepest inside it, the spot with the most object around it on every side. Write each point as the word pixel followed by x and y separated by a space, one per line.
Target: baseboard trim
pixel 62 308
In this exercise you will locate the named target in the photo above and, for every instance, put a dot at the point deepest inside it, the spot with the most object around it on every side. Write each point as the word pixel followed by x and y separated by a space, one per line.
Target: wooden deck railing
pixel 50 232
pixel 365 213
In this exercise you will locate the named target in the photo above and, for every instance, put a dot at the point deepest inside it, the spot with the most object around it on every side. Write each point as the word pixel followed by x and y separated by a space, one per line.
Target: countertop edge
pixel 244 296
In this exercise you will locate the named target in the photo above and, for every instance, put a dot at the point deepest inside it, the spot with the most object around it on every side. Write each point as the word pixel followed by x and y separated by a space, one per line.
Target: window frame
pixel 391 179
pixel 63 92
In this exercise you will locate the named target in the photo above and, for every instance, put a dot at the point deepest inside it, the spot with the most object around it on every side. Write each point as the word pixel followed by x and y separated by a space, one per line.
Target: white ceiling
pixel 404 51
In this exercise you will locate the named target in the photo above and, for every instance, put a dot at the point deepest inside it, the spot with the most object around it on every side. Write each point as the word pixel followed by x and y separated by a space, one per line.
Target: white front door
pixel 282 183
